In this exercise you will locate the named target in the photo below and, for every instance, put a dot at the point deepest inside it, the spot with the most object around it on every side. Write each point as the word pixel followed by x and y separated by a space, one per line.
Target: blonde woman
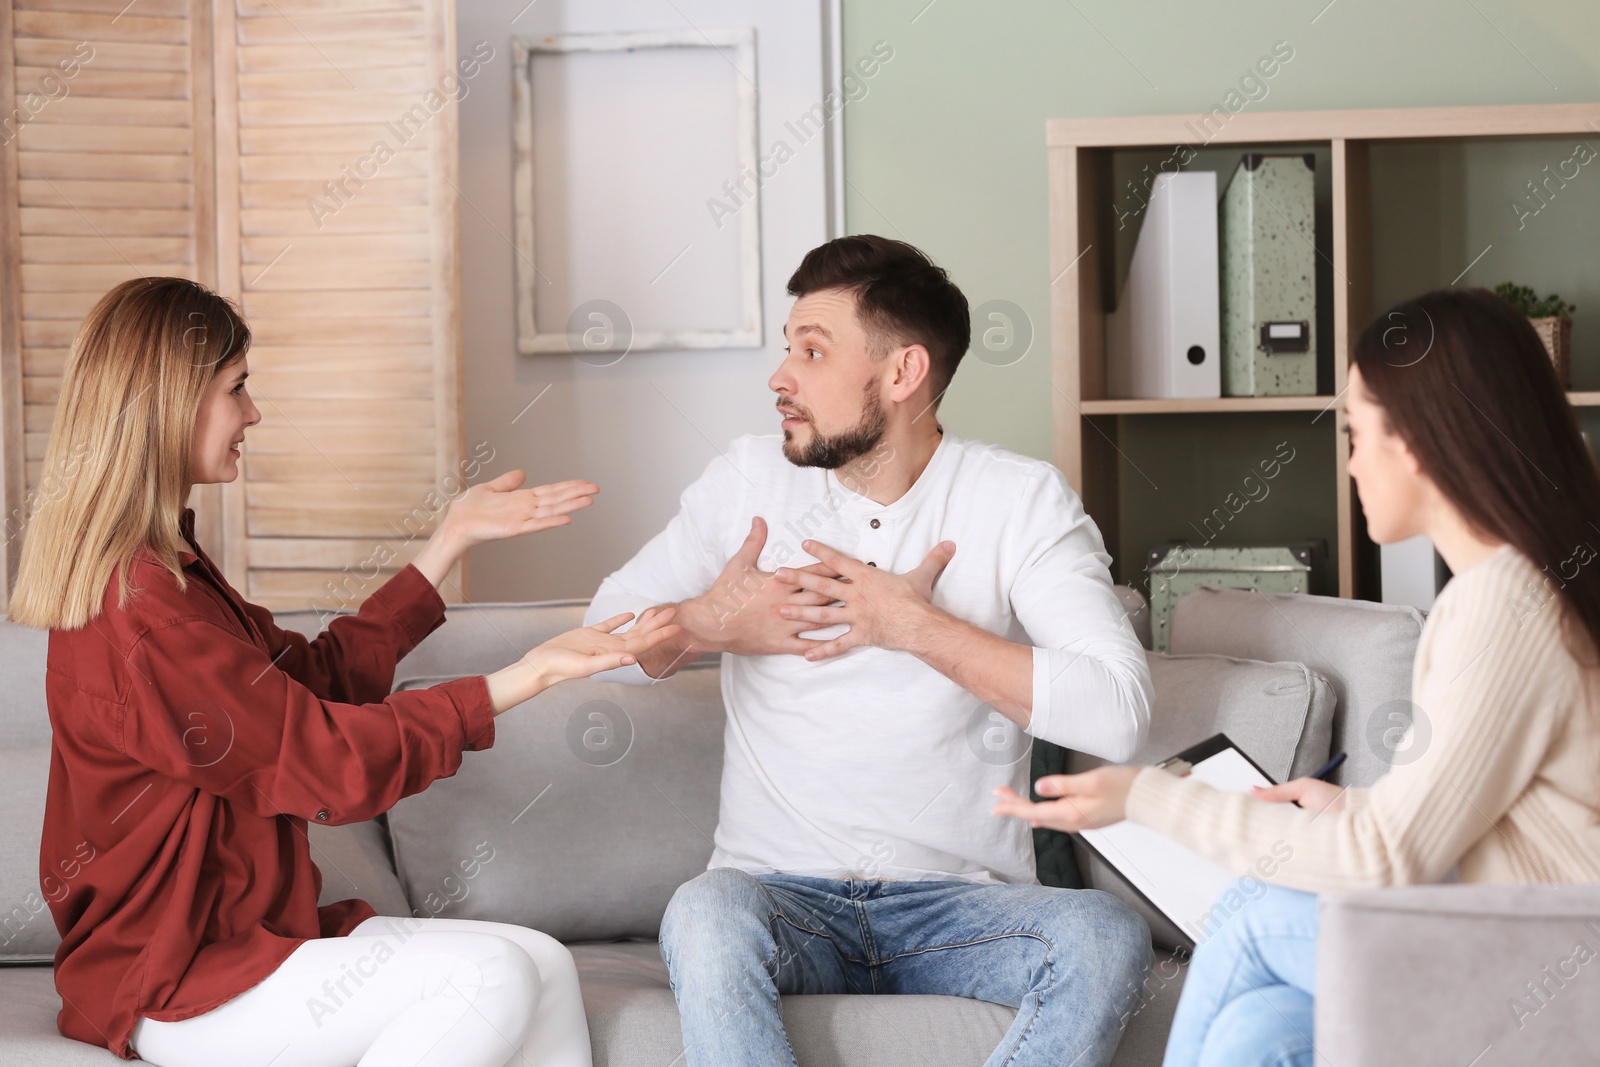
pixel 194 740
pixel 1459 430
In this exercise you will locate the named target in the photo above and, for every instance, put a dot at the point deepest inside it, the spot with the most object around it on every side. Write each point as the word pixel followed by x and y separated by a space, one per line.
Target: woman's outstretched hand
pixel 498 508
pixel 495 510
pixel 580 653
pixel 592 649
pixel 1084 801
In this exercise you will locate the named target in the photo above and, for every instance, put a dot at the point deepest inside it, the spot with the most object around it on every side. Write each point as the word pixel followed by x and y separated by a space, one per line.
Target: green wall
pixel 946 150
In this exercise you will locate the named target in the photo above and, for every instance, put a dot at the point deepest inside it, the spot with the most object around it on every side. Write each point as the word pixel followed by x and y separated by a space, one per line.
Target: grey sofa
pixel 598 800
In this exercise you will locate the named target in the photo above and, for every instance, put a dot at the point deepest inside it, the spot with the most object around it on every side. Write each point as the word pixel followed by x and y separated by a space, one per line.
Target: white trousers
pixel 396 991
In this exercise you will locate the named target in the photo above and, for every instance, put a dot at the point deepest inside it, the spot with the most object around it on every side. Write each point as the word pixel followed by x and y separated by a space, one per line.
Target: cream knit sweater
pixel 1507 789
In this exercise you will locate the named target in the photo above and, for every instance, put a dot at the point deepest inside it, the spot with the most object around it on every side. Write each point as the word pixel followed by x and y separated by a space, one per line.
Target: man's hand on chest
pixel 882 609
pixel 743 611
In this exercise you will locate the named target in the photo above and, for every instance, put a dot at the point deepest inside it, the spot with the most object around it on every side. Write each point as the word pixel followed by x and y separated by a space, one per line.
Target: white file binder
pixel 1164 339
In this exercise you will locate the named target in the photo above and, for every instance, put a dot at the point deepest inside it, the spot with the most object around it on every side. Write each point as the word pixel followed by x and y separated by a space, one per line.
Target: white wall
pixel 645 427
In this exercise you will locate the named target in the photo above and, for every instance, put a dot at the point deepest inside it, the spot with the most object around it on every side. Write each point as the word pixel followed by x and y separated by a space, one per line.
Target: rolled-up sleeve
pixel 1091 680
pixel 208 707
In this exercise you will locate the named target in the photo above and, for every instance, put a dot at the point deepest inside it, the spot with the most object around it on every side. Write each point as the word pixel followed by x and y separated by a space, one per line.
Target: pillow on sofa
pixel 1364 650
pixel 355 861
pixel 1280 714
pixel 595 803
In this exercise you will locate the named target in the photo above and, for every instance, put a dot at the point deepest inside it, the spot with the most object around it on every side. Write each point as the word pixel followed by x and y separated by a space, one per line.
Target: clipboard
pixel 1172 878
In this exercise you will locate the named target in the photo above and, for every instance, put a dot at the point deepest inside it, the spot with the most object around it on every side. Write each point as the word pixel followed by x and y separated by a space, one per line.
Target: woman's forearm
pixel 440 554
pixel 510 686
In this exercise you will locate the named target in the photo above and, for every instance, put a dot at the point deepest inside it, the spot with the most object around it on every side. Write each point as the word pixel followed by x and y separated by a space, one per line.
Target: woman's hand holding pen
pixel 497 509
pixel 1313 794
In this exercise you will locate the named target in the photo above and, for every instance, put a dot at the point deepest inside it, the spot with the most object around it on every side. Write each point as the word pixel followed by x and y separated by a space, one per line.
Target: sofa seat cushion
pixel 633 1021
pixel 28 1034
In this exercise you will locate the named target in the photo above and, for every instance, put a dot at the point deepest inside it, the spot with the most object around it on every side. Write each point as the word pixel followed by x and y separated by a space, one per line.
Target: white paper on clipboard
pixel 1180 882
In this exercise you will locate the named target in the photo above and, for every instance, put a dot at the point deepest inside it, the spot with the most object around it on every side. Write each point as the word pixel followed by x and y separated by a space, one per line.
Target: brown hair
pixel 902 298
pixel 116 470
pixel 1465 381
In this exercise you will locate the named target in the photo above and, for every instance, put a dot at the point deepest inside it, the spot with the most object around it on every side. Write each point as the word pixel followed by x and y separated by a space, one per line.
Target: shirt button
pixel 322 816
pixel 875 524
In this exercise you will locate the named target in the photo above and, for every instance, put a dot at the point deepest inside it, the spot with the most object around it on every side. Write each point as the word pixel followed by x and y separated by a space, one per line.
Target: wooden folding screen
pixel 300 157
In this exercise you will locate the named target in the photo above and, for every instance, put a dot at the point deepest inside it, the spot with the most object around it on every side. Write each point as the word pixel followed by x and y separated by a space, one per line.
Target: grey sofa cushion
pixel 24 716
pixel 1365 651
pixel 633 1021
pixel 1494 976
pixel 27 931
pixel 595 803
pixel 28 1035
pixel 356 861
pixel 1280 714
pixel 476 638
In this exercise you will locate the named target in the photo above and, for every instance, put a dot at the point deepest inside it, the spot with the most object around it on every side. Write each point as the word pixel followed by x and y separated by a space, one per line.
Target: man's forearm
pixel 996 671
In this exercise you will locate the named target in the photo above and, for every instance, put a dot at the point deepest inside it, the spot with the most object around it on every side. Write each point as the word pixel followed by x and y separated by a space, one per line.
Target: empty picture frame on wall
pixel 636 185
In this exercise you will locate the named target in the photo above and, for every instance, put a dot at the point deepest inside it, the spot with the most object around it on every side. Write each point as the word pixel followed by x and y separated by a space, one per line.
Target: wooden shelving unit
pixel 1219 404
pixel 1081 216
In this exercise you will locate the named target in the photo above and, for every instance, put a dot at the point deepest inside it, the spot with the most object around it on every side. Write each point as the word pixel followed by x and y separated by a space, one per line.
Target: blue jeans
pixel 1247 999
pixel 1070 960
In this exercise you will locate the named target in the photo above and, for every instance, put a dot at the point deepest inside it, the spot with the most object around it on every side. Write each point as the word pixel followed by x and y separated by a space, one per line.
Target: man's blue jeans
pixel 1070 960
pixel 1247 1000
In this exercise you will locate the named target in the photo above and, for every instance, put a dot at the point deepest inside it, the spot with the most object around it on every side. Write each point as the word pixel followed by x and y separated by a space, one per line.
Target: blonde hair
pixel 116 471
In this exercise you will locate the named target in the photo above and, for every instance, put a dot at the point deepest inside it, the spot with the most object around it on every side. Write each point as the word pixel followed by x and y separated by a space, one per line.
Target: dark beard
pixel 832 451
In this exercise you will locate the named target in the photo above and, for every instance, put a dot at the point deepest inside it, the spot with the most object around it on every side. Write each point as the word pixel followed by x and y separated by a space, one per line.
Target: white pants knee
pixel 397 991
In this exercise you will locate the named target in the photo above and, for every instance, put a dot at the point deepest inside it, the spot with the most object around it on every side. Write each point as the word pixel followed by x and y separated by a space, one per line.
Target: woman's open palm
pixel 589 650
pixel 497 509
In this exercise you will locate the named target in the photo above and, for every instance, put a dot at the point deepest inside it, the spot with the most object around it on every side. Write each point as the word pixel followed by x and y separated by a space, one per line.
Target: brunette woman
pixel 1460 431
pixel 194 740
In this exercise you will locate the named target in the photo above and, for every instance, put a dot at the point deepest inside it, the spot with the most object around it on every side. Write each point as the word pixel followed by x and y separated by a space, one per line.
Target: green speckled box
pixel 1174 570
pixel 1268 271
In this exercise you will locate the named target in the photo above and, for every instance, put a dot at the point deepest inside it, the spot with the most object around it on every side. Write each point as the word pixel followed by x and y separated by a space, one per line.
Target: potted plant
pixel 1551 317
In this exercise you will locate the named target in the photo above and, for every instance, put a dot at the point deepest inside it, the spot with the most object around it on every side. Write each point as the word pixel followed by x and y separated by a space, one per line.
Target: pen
pixel 1329 767
pixel 1325 770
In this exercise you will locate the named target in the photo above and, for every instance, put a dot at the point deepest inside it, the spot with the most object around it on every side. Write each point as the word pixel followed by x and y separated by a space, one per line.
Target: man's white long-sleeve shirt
pixel 873 764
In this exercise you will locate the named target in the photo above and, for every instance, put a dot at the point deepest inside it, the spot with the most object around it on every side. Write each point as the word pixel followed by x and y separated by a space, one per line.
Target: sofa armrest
pixel 1480 975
